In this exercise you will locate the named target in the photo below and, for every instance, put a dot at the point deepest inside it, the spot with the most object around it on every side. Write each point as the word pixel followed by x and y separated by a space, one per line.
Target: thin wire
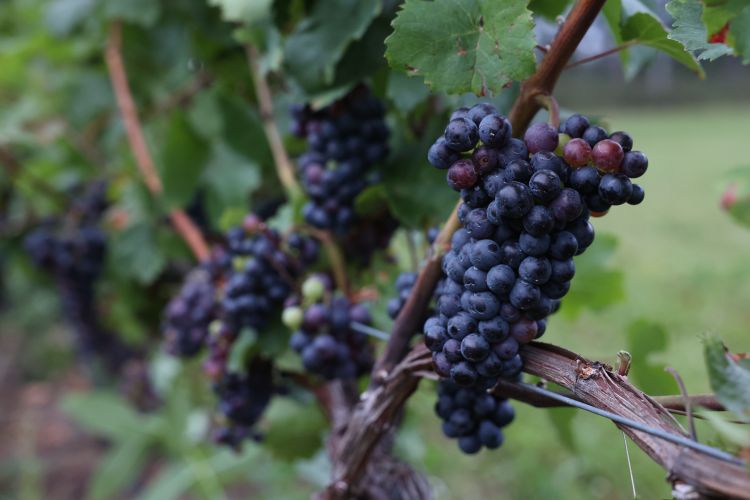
pixel 630 466
pixel 702 448
pixel 368 330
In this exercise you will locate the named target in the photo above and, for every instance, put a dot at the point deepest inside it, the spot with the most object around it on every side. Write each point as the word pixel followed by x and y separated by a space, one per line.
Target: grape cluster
pixel 344 140
pixel 525 215
pixel 261 272
pixel 326 341
pixel 243 397
pixel 473 416
pixel 73 251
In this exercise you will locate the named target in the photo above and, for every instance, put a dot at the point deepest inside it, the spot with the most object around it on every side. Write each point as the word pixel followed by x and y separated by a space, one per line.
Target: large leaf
pixel 104 414
pixel 464 46
pixel 406 93
pixel 416 192
pixel 739 28
pixel 729 379
pixel 142 12
pixel 119 468
pixel 596 285
pixel 646 338
pixel 137 252
pixel 549 8
pixel 63 16
pixel 689 30
pixel 319 41
pixel 646 29
pixel 182 156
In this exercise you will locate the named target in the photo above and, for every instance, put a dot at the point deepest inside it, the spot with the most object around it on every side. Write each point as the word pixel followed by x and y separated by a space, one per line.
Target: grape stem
pixel 129 113
pixel 601 55
pixel 686 398
pixel 282 162
pixel 335 258
pixel 550 104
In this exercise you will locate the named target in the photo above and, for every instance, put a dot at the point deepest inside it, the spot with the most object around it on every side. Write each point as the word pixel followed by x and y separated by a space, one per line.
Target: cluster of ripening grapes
pixel 525 215
pixel 73 252
pixel 324 336
pixel 344 139
pixel 243 285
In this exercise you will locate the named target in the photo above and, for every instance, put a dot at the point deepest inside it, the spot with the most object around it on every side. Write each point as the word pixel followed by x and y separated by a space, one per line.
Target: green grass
pixel 686 267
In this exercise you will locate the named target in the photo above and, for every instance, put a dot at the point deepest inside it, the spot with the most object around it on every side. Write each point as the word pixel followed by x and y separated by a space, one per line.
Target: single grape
pixel 634 164
pixel 441 156
pixel 607 155
pixel 575 125
pixel 541 137
pixel 480 111
pixel 615 188
pixel 494 130
pixel 577 153
pixel 485 159
pixel 535 270
pixel 593 135
pixel 545 185
pixel 474 347
pixel 462 175
pixel 585 180
pixel 623 139
pixel 514 200
pixel 461 134
pixel 500 279
pixel 539 221
pixel 637 195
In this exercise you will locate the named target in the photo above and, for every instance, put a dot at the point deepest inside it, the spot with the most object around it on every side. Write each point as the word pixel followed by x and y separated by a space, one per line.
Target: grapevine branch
pixel 284 166
pixel 126 105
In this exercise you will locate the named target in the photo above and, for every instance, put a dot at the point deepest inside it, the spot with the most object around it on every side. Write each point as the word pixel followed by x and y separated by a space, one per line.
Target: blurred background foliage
pixel 659 277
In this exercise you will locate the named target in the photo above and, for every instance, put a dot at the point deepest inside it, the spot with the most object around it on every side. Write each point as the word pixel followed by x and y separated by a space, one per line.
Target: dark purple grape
pixel 474 347
pixel 535 270
pixel 594 134
pixel 623 139
pixel 500 279
pixel 485 159
pixel 563 246
pixel 575 125
pixel 461 134
pixel 636 197
pixel 480 111
pixel 441 156
pixel 585 180
pixel 634 164
pixel 541 137
pixel 545 185
pixel 615 188
pixel 494 130
pixel 514 200
pixel 567 206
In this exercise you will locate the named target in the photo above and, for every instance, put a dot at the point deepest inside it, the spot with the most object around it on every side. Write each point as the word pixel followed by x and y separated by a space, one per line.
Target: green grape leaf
pixel 105 414
pixel 406 93
pixel 417 193
pixel 646 29
pixel 137 252
pixel 182 154
pixel 689 30
pixel 119 468
pixel 141 12
pixel 729 379
pixel 243 11
pixel 229 179
pixel 596 285
pixel 549 8
pixel 739 28
pixel 63 16
pixel 644 339
pixel 457 46
pixel 319 41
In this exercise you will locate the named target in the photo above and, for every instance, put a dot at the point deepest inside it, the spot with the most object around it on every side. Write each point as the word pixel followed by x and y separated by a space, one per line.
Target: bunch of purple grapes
pixel 472 416
pixel 189 314
pixel 344 140
pixel 325 335
pixel 243 397
pixel 525 215
pixel 73 251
